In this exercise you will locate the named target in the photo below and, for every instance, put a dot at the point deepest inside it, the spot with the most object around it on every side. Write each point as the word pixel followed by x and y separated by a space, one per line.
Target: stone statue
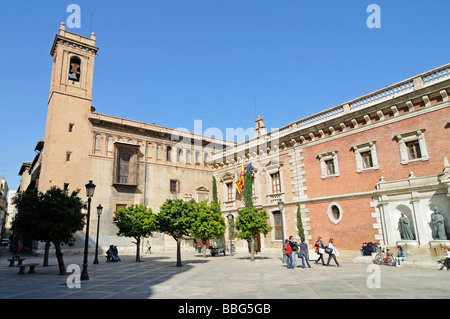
pixel 404 227
pixel 439 225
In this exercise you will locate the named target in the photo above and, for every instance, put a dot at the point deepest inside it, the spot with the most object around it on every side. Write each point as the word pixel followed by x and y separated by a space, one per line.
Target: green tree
pixel 301 231
pixel 248 189
pixel 208 223
pixel 249 223
pixel 135 221
pixel 176 219
pixel 214 191
pixel 53 216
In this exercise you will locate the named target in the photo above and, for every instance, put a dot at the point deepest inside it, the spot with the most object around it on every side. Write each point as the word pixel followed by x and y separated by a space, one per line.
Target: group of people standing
pixel 292 250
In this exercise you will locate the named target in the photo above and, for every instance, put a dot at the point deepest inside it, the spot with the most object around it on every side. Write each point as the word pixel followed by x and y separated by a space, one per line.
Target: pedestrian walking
pixel 149 247
pixel 320 250
pixel 288 253
pixel 294 247
pixel 332 252
pixel 303 253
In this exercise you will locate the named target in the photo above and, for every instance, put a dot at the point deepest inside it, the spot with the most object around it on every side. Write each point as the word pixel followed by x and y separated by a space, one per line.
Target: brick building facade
pixel 354 168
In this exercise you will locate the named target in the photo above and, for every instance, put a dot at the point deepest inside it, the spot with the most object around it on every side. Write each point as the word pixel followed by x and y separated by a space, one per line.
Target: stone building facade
pixel 130 162
pixel 352 170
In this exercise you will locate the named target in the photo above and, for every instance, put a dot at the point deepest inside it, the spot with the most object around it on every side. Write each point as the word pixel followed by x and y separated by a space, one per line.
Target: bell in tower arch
pixel 74 73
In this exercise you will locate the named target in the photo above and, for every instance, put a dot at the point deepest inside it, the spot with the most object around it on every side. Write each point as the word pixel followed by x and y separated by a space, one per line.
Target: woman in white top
pixel 333 252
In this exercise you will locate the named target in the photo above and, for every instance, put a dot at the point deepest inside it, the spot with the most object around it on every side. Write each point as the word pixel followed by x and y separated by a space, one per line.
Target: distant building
pixel 10 212
pixel 3 205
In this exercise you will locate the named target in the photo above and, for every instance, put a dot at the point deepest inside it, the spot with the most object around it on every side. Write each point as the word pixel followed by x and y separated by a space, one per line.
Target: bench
pixel 12 260
pixel 24 266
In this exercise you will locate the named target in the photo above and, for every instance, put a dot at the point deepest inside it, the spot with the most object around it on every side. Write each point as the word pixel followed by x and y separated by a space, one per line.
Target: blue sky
pixel 171 62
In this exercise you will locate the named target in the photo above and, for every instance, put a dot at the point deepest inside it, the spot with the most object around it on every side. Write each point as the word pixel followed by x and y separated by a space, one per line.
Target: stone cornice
pixel 151 130
pixel 69 42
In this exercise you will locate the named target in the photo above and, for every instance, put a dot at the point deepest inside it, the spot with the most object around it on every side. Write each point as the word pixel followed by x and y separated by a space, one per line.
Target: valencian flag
pixel 239 178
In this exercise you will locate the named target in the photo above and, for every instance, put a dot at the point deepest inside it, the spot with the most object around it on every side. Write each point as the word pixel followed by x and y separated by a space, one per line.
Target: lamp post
pixel 280 207
pixel 90 187
pixel 230 220
pixel 99 212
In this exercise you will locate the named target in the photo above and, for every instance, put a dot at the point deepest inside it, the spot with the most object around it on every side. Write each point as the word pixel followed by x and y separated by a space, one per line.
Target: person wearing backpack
pixel 288 253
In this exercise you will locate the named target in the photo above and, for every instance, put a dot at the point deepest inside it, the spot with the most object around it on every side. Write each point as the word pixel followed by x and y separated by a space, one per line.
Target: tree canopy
pixel 208 223
pixel 176 218
pixel 135 221
pixel 53 216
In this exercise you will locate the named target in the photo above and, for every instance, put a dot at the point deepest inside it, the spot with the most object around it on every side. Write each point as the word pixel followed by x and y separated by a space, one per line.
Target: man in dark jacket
pixel 294 247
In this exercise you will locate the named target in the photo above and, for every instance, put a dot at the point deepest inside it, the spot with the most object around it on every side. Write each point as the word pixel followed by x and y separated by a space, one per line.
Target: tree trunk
pixel 46 253
pixel 138 244
pixel 204 248
pixel 252 255
pixel 179 264
pixel 59 257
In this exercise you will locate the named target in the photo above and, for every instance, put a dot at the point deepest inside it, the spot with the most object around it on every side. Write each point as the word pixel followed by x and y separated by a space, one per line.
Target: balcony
pixel 275 198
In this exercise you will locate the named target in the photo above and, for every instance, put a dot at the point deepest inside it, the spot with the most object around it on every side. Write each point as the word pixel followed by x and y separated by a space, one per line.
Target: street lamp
pixel 99 212
pixel 90 187
pixel 230 220
pixel 280 207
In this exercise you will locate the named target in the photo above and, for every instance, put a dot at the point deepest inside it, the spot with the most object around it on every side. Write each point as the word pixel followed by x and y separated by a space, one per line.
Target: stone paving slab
pixel 221 277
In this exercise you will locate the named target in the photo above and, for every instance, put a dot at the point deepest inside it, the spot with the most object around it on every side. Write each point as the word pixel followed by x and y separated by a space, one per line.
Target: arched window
pixel 74 69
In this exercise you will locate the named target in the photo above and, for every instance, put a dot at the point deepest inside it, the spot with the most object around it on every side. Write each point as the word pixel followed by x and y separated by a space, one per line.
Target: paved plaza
pixel 220 277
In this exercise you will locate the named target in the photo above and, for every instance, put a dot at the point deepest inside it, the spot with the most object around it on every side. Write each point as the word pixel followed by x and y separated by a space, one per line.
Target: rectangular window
pixel 230 191
pixel 124 168
pixel 278 226
pixel 330 167
pixel 66 186
pixel 413 150
pixel 125 164
pixel 119 206
pixel 169 153
pixel 174 186
pixel 367 159
pixel 70 127
pixel 253 187
pixel 179 155
pixel 159 152
pixel 197 157
pixel 98 142
pixel 68 154
pixel 188 156
pixel 276 186
pixel 412 146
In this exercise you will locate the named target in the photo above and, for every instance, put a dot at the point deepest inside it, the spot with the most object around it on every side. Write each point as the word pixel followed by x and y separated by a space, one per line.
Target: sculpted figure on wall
pixel 439 225
pixel 405 228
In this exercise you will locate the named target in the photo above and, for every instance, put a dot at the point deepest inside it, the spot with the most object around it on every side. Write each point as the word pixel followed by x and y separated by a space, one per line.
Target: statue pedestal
pixel 408 243
pixel 438 243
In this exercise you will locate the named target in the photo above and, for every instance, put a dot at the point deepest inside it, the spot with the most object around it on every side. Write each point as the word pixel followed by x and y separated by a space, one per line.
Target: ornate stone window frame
pixel 363 148
pixel 324 157
pixel 330 213
pixel 132 150
pixel 411 136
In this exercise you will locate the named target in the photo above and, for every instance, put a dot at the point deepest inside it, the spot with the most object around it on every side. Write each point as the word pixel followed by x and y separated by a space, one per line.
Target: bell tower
pixel 65 156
